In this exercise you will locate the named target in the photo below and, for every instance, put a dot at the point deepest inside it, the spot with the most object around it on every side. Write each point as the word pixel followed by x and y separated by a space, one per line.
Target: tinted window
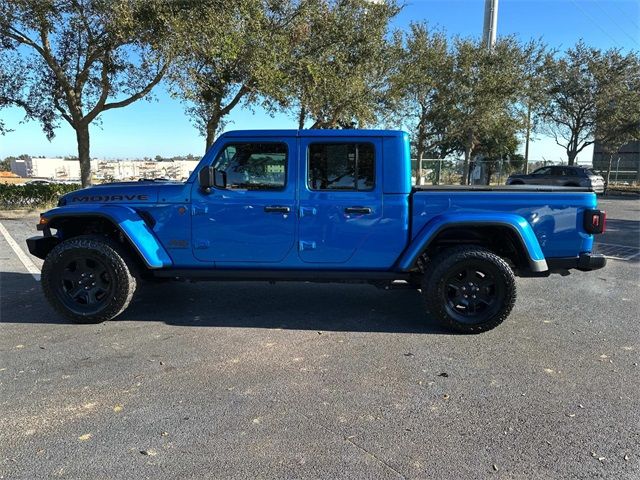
pixel 556 171
pixel 341 166
pixel 252 166
pixel 542 171
pixel 571 172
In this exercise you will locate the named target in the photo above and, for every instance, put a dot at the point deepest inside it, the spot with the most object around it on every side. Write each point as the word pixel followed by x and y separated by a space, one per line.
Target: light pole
pixel 490 23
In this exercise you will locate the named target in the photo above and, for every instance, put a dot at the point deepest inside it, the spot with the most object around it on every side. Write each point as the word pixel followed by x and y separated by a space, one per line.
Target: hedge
pixel 33 195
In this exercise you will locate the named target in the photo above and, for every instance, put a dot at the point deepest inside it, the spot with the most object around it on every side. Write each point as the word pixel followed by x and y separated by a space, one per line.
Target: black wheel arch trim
pixel 536 266
pixel 54 217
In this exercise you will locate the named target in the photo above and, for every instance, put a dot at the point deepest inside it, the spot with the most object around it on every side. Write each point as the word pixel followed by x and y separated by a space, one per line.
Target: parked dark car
pixel 561 176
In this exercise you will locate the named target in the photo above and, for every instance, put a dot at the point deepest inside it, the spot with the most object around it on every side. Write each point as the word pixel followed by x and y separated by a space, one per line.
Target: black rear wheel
pixel 88 279
pixel 469 289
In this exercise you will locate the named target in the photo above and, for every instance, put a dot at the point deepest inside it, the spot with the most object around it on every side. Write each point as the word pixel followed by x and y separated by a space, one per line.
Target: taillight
pixel 595 221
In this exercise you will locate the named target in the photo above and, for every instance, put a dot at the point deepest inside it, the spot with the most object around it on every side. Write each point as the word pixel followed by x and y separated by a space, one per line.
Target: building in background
pixel 625 166
pixel 63 169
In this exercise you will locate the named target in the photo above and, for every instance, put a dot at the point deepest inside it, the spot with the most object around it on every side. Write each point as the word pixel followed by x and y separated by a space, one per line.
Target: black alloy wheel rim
pixel 85 284
pixel 473 293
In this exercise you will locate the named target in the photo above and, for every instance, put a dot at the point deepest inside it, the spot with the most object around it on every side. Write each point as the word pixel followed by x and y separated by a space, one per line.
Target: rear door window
pixel 341 166
pixel 570 172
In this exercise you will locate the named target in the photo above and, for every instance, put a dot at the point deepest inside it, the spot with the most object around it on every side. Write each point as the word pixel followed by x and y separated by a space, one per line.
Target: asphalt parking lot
pixel 251 380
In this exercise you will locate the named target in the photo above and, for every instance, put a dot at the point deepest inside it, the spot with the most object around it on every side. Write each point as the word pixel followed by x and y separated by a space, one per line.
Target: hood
pixel 123 192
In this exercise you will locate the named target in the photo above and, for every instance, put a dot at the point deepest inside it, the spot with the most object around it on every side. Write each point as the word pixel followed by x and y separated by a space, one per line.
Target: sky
pixel 160 126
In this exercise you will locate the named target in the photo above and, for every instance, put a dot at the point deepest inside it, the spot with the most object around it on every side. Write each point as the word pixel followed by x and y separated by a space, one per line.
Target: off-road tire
pixel 439 295
pixel 118 278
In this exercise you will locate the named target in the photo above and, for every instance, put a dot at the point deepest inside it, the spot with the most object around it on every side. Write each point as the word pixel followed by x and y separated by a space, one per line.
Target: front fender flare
pixel 516 223
pixel 132 226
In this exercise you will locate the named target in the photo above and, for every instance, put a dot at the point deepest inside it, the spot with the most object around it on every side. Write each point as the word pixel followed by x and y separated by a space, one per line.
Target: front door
pixel 340 198
pixel 249 217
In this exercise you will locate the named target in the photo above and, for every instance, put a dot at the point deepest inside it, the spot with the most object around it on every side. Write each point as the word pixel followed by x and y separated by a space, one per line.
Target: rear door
pixel 542 176
pixel 250 214
pixel 340 197
pixel 558 176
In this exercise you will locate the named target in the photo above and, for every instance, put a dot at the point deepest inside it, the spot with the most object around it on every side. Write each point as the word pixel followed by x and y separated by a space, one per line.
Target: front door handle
pixel 358 210
pixel 277 209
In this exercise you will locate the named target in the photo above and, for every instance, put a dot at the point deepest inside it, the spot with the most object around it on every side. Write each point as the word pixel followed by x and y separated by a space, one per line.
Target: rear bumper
pixel 41 246
pixel 584 262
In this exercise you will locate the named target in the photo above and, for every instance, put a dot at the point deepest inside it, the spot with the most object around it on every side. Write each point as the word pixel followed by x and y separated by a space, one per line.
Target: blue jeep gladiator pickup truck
pixel 314 205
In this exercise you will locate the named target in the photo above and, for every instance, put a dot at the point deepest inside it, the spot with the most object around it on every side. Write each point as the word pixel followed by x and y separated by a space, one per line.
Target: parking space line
pixel 24 258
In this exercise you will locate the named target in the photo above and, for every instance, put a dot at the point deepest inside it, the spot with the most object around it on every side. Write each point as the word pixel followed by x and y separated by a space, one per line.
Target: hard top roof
pixel 314 133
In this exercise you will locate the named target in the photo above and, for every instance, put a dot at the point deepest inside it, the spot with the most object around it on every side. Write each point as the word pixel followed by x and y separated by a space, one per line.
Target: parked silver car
pixel 561 176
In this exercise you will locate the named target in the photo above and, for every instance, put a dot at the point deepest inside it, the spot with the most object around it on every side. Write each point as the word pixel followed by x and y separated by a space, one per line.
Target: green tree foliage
pixel 484 88
pixel 417 96
pixel 590 90
pixel 12 82
pixel 234 58
pixel 498 148
pixel 338 62
pixel 618 105
pixel 534 89
pixel 84 57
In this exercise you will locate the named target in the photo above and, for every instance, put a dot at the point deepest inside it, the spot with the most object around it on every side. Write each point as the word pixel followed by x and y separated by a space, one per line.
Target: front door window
pixel 252 166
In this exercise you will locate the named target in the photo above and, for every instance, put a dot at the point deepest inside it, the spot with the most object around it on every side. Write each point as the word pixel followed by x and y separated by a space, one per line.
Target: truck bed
pixel 552 212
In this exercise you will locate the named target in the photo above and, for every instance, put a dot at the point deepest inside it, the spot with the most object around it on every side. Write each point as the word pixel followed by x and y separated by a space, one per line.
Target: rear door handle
pixel 358 210
pixel 277 209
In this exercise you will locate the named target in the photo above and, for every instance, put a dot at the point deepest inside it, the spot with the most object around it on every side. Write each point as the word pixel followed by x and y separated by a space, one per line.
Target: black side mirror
pixel 206 178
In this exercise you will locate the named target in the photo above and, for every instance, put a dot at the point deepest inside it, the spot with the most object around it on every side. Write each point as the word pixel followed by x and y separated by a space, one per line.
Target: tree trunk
pixel 419 153
pixel 419 165
pixel 606 185
pixel 465 166
pixel 525 170
pixel 468 148
pixel 571 157
pixel 212 128
pixel 302 117
pixel 82 135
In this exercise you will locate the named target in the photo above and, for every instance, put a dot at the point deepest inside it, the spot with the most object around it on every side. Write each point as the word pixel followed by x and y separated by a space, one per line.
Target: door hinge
pixel 196 210
pixel 304 245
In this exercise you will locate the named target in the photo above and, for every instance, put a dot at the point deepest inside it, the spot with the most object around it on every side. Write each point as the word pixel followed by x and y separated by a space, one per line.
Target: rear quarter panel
pixel 555 217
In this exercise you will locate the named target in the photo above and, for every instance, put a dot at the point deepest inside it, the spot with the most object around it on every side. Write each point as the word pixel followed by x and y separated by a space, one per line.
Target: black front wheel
pixel 469 289
pixel 88 279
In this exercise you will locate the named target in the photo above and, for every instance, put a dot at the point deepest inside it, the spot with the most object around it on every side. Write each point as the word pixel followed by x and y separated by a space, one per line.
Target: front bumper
pixel 41 246
pixel 584 262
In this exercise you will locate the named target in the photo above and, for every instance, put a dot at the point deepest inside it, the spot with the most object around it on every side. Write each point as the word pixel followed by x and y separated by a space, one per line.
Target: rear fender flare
pixel 516 223
pixel 127 220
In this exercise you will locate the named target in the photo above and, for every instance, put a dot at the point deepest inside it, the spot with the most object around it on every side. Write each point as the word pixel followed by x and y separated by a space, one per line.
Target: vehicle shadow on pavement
pixel 286 305
pixel 22 301
pixel 297 306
